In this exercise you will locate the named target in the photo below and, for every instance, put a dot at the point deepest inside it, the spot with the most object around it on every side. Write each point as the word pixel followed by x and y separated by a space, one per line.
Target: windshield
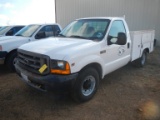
pixel 94 29
pixel 28 31
pixel 5 29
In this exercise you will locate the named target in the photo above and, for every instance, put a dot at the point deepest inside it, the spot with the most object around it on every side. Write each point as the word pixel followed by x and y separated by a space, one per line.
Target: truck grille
pixel 33 61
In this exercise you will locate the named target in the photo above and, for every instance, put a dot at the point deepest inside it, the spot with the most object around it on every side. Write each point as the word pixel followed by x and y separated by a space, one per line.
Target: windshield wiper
pixel 76 36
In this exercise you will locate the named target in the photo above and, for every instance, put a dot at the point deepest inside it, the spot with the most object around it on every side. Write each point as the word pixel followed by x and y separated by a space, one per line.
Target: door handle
pixel 103 51
pixel 128 45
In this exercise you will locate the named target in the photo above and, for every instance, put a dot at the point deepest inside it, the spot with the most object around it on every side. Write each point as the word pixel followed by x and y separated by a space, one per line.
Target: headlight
pixel 59 67
pixel 0 48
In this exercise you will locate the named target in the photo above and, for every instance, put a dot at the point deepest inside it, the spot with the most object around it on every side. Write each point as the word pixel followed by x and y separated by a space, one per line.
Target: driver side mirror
pixel 40 35
pixel 57 32
pixel 122 39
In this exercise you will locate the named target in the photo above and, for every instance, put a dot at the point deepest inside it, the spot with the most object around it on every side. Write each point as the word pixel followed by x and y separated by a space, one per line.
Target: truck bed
pixel 141 40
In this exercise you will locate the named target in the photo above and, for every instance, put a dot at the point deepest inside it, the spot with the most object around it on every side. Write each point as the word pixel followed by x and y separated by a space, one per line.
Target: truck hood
pixel 58 48
pixel 2 38
pixel 10 39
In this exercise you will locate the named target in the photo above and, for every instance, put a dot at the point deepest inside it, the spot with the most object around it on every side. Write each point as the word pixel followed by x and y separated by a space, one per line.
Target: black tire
pixel 86 85
pixel 142 60
pixel 11 61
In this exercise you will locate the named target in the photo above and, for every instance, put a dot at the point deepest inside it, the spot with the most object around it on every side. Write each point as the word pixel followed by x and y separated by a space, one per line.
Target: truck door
pixel 116 55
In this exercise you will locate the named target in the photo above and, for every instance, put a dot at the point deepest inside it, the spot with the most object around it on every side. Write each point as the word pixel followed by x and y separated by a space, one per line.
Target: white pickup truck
pixel 9 44
pixel 85 51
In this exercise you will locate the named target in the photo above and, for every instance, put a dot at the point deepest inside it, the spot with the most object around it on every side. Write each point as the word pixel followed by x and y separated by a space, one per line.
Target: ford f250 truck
pixel 9 44
pixel 85 51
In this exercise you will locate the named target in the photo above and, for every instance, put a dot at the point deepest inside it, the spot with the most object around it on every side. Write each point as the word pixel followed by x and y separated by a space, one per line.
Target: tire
pixel 11 60
pixel 142 60
pixel 86 85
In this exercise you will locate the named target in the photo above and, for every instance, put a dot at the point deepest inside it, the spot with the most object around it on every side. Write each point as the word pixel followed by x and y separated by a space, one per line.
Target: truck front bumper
pixel 3 54
pixel 51 82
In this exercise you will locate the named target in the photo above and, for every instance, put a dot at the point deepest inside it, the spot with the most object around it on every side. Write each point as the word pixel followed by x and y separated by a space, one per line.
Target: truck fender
pixel 89 61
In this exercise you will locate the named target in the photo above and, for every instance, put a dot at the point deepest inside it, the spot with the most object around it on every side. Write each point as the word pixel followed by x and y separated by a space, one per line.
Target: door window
pixel 116 28
pixel 47 30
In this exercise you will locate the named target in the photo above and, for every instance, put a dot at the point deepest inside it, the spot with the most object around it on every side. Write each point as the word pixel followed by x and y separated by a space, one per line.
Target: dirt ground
pixel 122 95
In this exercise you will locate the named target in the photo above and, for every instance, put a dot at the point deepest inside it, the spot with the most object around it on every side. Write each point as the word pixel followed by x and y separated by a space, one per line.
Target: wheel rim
pixel 143 59
pixel 14 60
pixel 88 85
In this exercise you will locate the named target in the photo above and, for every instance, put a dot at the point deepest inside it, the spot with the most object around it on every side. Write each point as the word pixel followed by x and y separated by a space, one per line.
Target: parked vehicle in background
pixel 9 44
pixel 10 30
pixel 86 51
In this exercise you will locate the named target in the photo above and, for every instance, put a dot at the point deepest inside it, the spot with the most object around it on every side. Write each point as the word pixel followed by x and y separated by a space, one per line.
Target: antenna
pixel 124 16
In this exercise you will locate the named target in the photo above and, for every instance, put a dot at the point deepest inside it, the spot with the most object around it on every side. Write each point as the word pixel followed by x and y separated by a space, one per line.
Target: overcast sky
pixel 23 12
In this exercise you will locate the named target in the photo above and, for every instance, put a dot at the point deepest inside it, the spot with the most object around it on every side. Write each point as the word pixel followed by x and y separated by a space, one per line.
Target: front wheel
pixel 86 85
pixel 11 60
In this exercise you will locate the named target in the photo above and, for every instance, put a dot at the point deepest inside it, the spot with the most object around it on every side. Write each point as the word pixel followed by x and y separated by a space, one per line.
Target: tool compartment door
pixel 136 38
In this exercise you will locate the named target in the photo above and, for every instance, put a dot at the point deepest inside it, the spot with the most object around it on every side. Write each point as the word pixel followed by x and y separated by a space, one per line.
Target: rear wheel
pixel 142 60
pixel 11 60
pixel 86 85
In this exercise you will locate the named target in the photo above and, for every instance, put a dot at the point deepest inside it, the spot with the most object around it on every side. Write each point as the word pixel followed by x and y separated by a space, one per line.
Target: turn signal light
pixel 65 71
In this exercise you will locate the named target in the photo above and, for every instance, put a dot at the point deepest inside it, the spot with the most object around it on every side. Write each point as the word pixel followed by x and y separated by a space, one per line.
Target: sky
pixel 24 12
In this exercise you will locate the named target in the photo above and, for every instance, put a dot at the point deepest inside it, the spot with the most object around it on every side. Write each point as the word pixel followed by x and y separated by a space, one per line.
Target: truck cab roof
pixel 47 24
pixel 110 18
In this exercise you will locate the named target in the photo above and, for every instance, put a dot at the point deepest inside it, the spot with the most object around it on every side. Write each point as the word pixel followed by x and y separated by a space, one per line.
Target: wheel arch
pixel 96 66
pixel 147 50
pixel 15 50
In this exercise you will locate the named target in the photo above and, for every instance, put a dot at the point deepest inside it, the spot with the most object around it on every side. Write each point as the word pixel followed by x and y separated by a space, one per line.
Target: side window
pixel 46 31
pixel 49 31
pixel 116 28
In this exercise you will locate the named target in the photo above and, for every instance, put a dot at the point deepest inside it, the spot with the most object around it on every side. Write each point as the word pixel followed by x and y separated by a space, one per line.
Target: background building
pixel 139 14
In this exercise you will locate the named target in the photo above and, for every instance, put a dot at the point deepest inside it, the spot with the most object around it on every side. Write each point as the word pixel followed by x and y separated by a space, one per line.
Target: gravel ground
pixel 129 93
